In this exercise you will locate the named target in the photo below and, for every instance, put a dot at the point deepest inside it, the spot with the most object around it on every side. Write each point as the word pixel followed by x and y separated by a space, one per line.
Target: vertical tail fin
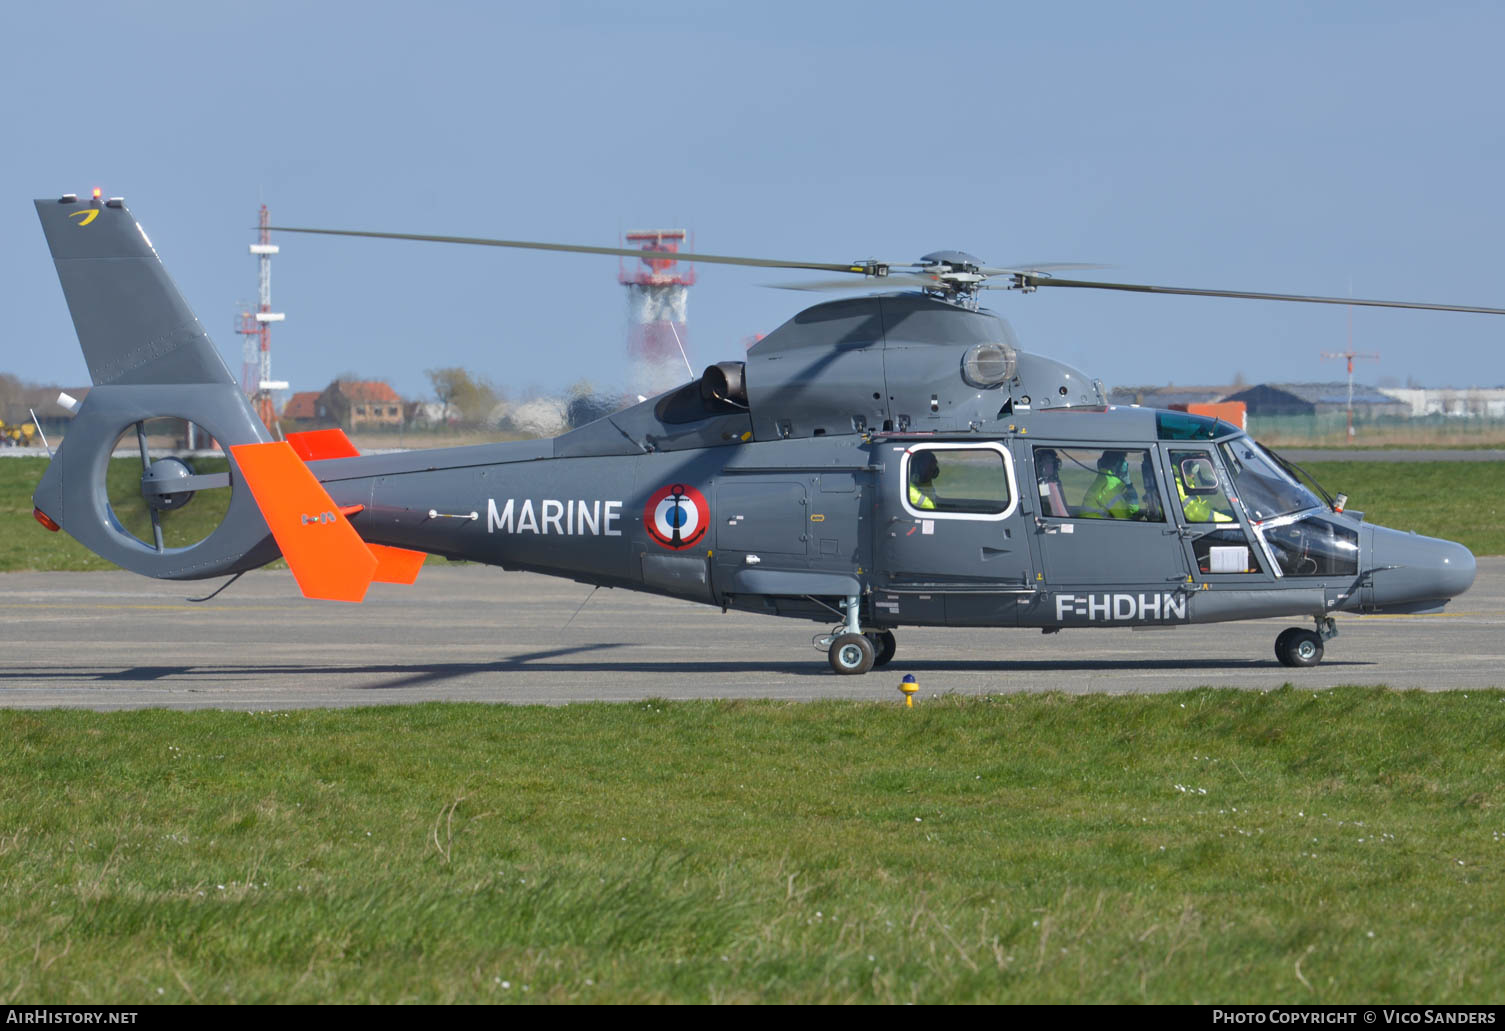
pixel 148 357
pixel 134 325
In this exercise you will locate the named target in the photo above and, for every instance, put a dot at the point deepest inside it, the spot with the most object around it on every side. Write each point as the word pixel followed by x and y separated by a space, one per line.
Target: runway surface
pixel 473 633
pixel 1390 455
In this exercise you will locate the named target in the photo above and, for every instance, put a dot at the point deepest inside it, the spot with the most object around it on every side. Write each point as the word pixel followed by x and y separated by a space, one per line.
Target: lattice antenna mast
pixel 657 298
pixel 256 327
pixel 1350 354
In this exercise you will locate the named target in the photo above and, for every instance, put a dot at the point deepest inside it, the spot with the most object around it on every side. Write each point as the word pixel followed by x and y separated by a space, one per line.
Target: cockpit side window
pixel 1203 499
pixel 1219 544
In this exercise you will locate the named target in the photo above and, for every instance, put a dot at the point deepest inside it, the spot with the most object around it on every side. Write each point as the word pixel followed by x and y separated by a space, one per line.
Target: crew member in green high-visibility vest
pixel 1111 495
pixel 1201 508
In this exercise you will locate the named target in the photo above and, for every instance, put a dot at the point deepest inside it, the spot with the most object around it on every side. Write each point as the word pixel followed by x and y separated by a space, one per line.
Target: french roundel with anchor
pixel 677 515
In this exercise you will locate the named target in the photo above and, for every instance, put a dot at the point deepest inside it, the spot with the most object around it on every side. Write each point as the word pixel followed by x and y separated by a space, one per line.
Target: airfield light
pixel 909 686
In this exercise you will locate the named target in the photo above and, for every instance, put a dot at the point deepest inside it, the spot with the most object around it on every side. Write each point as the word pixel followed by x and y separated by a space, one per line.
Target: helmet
pixel 1047 462
pixel 1115 462
pixel 923 467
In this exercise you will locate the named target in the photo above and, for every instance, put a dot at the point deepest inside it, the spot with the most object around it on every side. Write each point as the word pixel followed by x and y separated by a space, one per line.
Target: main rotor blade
pixel 1024 268
pixel 891 280
pixel 1034 281
pixel 622 252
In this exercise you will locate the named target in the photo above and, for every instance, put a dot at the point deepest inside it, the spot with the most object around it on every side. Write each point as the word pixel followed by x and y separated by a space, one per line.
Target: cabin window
pixel 958 481
pixel 1097 483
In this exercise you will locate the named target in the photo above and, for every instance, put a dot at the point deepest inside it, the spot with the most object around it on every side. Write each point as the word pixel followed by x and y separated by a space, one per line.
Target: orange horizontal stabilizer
pixel 396 565
pixel 328 558
pixel 315 445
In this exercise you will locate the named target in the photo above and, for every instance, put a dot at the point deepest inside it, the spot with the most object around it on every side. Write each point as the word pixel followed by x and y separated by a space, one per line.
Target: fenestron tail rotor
pixel 954 276
pixel 146 470
pixel 147 500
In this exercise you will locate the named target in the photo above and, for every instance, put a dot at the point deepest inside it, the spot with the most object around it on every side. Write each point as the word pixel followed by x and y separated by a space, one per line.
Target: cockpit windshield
pixel 1265 488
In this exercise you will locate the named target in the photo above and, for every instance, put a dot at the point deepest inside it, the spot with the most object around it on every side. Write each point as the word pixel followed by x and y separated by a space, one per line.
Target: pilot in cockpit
pixel 1208 505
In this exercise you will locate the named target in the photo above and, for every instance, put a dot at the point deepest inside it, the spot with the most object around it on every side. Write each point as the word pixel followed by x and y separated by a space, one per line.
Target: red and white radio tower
pixel 1350 354
pixel 256 369
pixel 657 294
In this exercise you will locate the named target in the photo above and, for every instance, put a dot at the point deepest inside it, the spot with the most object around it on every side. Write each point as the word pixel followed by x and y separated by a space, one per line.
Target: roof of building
pixel 1323 393
pixel 301 405
pixel 366 390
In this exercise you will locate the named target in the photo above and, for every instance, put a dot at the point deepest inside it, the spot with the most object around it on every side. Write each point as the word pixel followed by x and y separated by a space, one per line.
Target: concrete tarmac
pixel 1303 455
pixel 473 633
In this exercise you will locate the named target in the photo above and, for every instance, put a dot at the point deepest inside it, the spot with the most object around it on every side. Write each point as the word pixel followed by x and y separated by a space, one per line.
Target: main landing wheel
pixel 885 645
pixel 1298 647
pixel 851 654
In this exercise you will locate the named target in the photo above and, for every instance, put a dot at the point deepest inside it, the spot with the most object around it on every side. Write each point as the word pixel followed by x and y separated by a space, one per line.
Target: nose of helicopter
pixel 1411 569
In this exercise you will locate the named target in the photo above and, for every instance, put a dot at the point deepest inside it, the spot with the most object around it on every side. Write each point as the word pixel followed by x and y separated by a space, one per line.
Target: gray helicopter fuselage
pixel 803 499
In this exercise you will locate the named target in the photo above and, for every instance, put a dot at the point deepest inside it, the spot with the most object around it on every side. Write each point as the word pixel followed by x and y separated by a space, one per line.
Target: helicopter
pixel 882 461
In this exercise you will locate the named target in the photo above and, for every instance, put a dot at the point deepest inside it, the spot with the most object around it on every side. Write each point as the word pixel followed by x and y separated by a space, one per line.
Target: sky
pixel 1348 149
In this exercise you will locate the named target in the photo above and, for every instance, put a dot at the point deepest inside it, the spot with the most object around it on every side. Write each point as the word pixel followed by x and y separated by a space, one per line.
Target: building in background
pixel 302 408
pixel 348 404
pixel 1317 399
pixel 1458 402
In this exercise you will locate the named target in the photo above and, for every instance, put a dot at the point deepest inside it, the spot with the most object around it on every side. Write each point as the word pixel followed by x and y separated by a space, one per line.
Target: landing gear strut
pixel 1298 647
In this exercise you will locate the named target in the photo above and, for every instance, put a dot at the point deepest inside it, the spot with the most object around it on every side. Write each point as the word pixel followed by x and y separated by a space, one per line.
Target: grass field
pixel 1458 501
pixel 1461 501
pixel 1190 847
pixel 1204 846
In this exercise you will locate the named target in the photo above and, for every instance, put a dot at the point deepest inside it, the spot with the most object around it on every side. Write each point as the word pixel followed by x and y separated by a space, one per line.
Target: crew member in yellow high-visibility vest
pixel 923 469
pixel 1199 508
pixel 1112 494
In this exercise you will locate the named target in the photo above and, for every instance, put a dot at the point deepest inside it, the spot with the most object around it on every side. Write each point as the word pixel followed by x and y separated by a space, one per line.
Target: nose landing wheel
pixel 1297 647
pixel 852 654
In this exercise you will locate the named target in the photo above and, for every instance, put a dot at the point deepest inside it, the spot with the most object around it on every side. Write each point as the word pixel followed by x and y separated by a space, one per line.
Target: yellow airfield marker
pixel 909 686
